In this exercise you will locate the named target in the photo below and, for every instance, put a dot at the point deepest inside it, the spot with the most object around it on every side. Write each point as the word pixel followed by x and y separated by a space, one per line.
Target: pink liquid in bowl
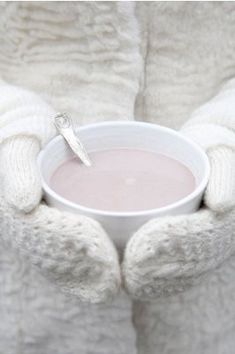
pixel 123 180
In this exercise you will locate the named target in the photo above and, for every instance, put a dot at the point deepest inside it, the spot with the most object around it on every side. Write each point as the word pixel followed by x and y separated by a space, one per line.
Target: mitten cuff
pixel 24 113
pixel 210 135
pixel 219 111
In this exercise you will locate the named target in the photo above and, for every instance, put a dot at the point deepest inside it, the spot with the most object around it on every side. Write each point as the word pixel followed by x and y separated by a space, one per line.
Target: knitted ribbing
pixel 210 135
pixel 219 110
pixel 21 181
pixel 23 112
pixel 220 192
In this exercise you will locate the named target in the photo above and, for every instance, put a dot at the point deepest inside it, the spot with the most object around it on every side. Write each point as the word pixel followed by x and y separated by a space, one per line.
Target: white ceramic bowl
pixel 107 135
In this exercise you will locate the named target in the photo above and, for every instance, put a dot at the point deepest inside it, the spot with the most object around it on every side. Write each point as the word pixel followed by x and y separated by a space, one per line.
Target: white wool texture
pixel 162 62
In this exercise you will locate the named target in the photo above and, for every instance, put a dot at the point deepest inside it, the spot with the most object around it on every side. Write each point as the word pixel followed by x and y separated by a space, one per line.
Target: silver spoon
pixel 65 128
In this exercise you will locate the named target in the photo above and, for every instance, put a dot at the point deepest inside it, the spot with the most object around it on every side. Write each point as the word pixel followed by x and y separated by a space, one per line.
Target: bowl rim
pixel 148 212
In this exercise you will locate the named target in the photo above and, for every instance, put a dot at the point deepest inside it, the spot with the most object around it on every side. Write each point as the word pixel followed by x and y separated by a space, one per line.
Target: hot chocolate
pixel 123 180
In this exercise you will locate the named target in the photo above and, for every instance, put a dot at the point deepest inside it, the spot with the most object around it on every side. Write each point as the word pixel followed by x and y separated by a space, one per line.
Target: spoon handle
pixel 65 128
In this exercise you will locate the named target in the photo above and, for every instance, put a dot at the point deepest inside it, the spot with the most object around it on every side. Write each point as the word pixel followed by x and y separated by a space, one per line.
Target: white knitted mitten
pixel 169 254
pixel 72 251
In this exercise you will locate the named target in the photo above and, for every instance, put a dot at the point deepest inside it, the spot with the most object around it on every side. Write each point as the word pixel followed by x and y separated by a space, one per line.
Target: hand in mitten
pixel 170 254
pixel 73 251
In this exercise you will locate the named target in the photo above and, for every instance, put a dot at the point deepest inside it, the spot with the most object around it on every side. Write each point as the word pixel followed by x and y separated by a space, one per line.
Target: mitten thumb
pixel 219 143
pixel 220 192
pixel 20 178
pixel 25 127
